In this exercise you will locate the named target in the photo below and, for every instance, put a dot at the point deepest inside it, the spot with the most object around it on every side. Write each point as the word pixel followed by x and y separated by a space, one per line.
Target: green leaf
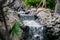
pixel 15 29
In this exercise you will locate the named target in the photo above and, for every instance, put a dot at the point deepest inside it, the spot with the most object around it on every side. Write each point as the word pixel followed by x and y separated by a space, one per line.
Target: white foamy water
pixel 35 30
pixel 31 23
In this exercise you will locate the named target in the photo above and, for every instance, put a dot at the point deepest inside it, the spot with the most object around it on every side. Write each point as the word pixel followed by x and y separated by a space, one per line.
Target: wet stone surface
pixel 34 31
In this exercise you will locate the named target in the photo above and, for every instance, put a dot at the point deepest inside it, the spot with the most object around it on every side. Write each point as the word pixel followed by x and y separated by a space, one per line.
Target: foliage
pixel 31 2
pixel 49 3
pixel 15 29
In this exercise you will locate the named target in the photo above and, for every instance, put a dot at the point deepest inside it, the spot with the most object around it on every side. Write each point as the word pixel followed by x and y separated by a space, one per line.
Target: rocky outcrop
pixel 51 22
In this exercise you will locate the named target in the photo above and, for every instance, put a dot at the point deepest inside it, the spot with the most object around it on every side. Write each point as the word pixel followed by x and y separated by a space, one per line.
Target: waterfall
pixel 33 31
pixel 36 33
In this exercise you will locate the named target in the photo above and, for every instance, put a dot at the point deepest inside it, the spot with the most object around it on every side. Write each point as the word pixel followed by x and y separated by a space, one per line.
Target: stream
pixel 34 31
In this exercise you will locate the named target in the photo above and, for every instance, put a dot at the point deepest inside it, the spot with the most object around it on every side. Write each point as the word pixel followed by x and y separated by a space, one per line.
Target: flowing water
pixel 35 30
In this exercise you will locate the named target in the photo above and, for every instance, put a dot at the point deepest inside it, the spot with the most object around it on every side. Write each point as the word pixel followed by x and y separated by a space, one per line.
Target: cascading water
pixel 35 31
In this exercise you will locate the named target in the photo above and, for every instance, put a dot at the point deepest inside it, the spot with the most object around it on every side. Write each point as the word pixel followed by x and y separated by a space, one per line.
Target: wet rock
pixel 51 22
pixel 33 10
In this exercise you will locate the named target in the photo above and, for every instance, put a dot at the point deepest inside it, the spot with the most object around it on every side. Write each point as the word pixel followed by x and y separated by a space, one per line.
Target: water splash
pixel 35 30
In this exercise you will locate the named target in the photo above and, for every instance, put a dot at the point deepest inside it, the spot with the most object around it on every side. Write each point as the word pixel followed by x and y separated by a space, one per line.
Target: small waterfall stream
pixel 35 31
